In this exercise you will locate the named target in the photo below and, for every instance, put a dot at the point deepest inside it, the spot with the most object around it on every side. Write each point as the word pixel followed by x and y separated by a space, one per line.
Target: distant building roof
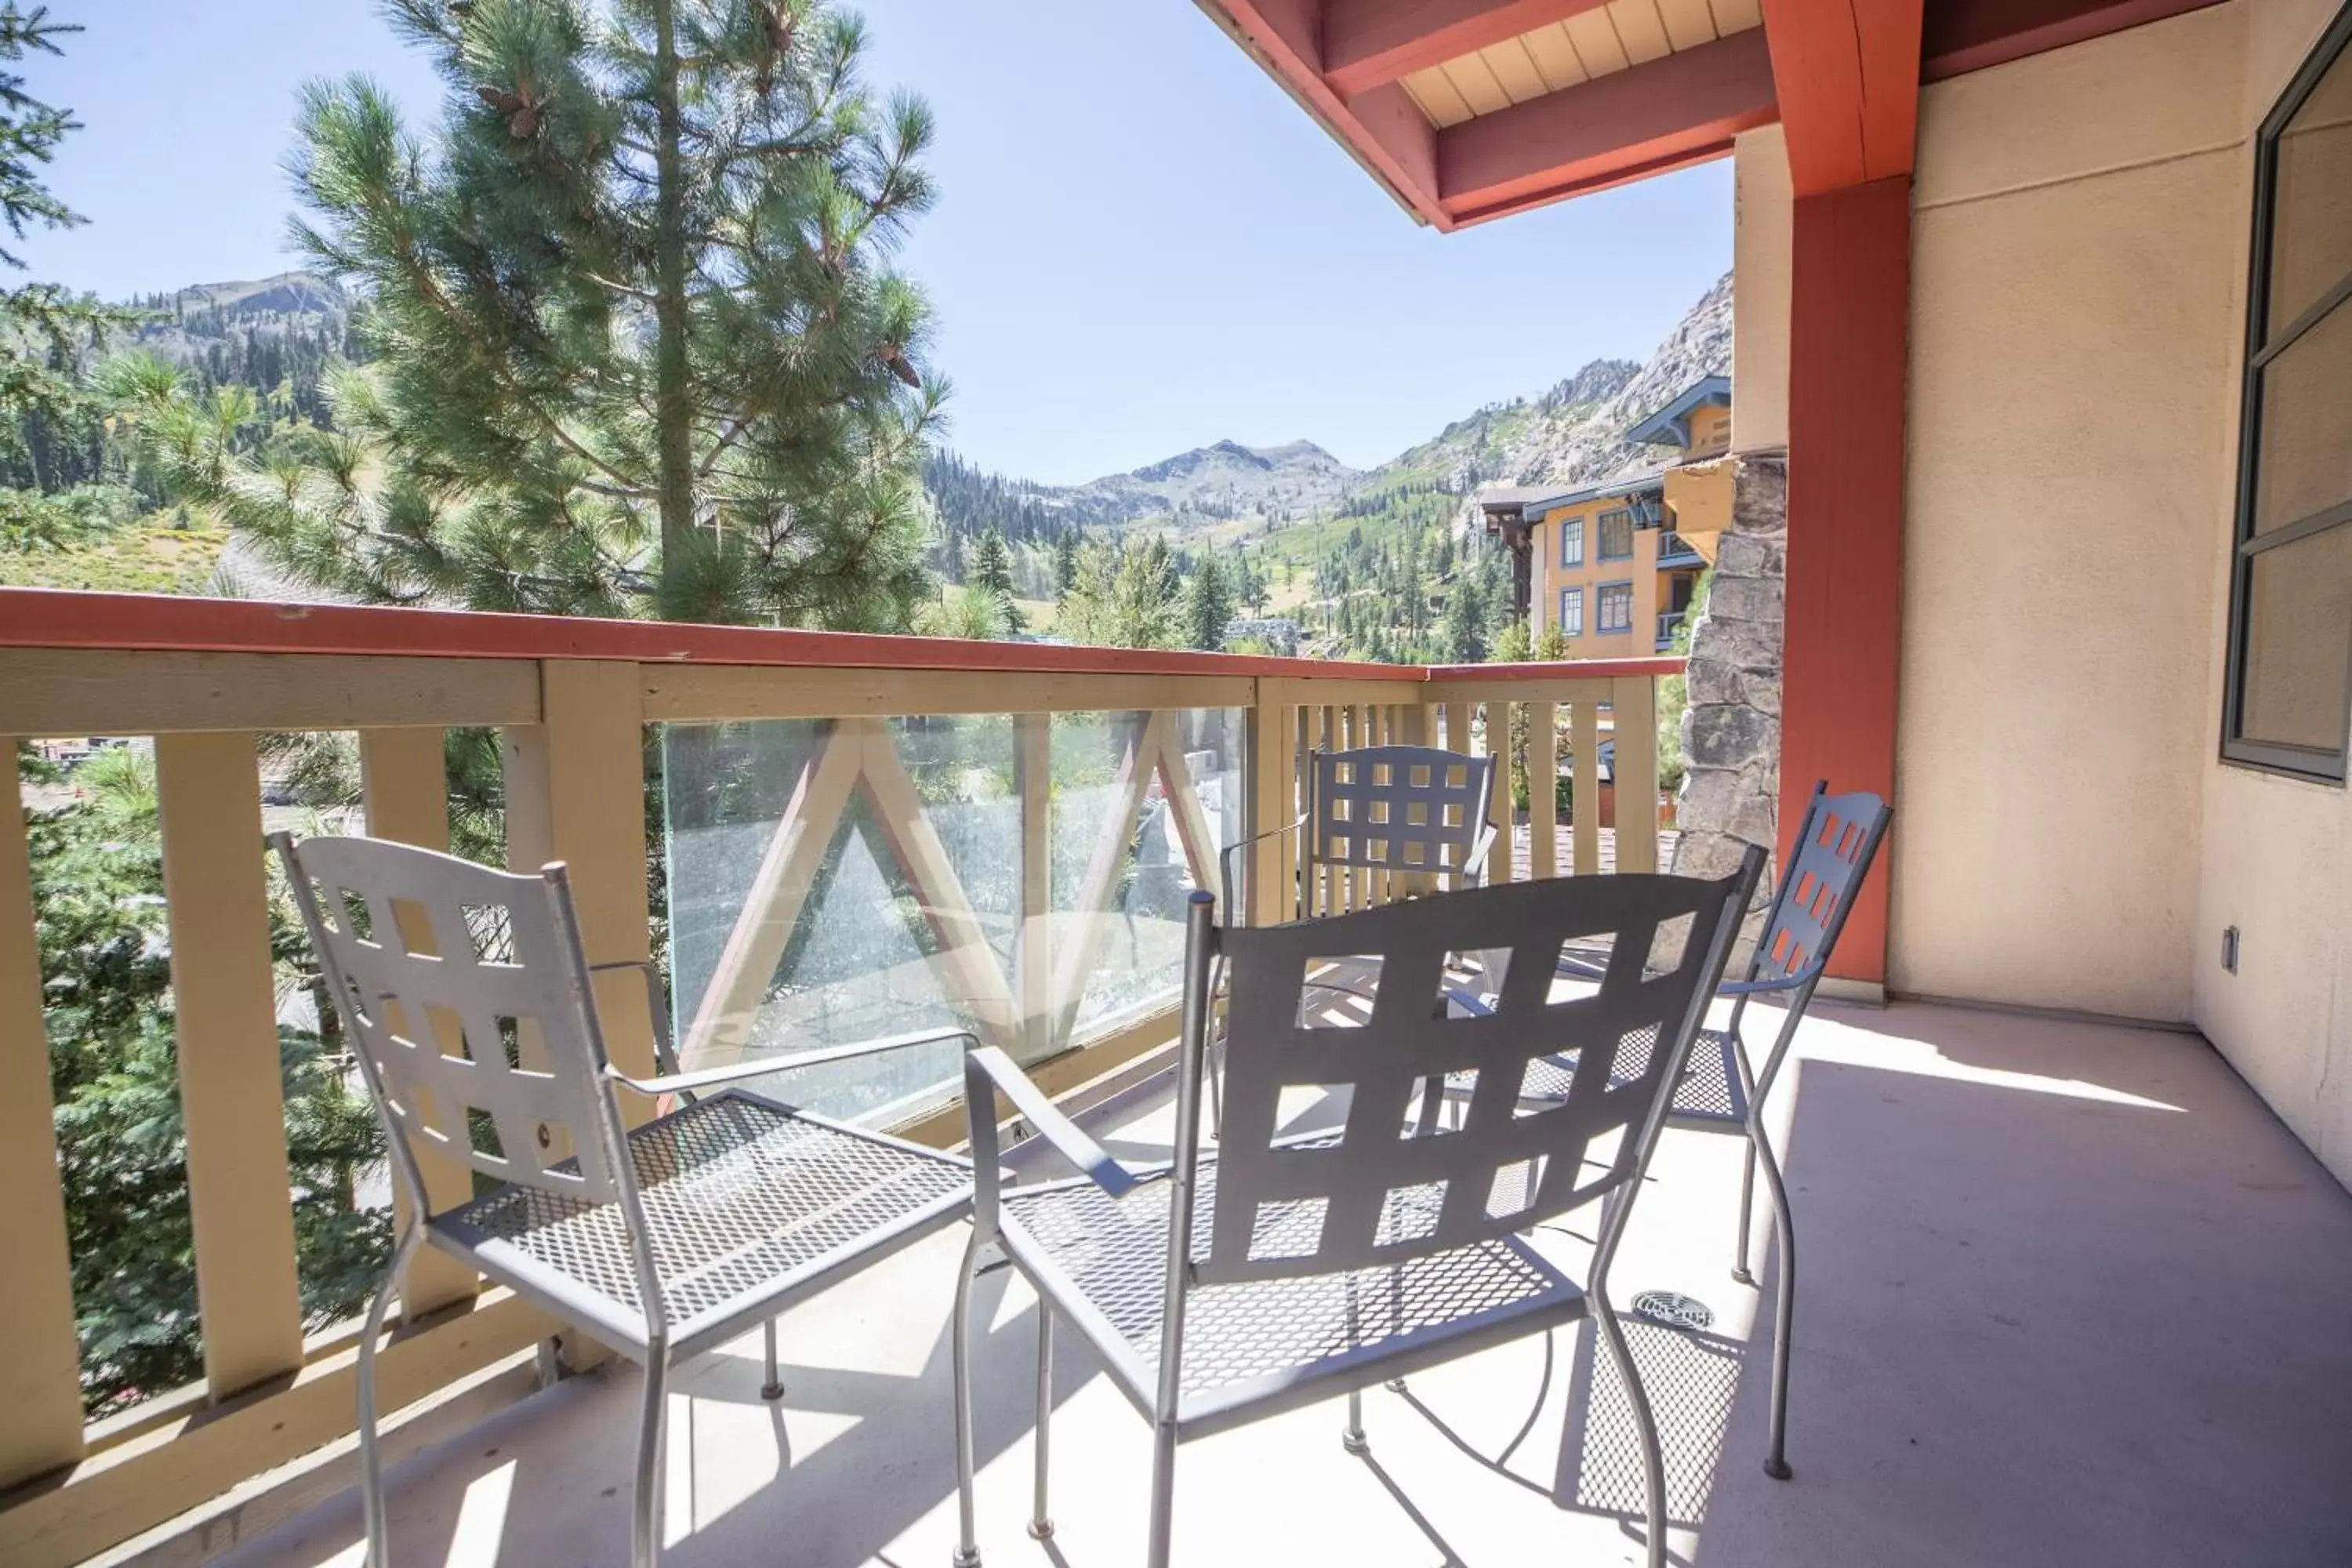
pixel 1530 501
pixel 1670 425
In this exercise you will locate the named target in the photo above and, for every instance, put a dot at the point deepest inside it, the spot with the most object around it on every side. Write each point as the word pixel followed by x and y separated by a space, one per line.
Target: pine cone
pixel 896 359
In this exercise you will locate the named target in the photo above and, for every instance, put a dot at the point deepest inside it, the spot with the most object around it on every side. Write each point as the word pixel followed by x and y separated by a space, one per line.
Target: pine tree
pixel 1208 605
pixel 639 345
pixel 1065 562
pixel 991 573
pixel 44 331
pixel 1122 597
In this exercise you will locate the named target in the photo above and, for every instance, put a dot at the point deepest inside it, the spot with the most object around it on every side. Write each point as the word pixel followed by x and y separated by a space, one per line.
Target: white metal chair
pixel 662 1240
pixel 1329 1262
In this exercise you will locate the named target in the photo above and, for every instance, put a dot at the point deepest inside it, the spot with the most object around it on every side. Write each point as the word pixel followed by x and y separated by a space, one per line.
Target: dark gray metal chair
pixel 1419 809
pixel 663 1240
pixel 1718 1092
pixel 1275 1272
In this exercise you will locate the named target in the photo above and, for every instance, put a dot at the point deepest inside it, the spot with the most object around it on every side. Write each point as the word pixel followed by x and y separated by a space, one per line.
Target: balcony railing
pixel 858 833
pixel 1669 623
pixel 1674 549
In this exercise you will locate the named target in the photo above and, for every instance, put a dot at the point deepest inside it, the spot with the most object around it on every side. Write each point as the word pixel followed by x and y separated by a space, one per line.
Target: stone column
pixel 1731 729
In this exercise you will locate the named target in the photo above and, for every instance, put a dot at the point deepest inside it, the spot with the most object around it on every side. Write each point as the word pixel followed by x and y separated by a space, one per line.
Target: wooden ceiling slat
pixel 1475 79
pixel 1596 41
pixel 1555 56
pixel 1688 23
pixel 1736 16
pixel 1640 29
pixel 1516 69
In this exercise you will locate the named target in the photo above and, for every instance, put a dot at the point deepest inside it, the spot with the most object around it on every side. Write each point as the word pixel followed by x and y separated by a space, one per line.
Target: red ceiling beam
pixel 1381 129
pixel 1848 77
pixel 1963 35
pixel 1663 114
pixel 1369 42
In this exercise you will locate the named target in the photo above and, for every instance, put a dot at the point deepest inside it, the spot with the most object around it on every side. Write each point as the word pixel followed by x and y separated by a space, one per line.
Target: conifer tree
pixel 1065 562
pixel 640 347
pixel 991 573
pixel 1208 605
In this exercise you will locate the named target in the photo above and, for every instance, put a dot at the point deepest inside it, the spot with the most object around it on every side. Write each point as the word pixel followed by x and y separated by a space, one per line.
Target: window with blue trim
pixel 1616 536
pixel 1616 607
pixel 1572 612
pixel 1572 541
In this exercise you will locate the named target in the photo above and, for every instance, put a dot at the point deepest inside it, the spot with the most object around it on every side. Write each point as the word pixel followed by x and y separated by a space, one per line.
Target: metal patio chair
pixel 1418 809
pixel 1328 1262
pixel 723 1214
pixel 1718 1092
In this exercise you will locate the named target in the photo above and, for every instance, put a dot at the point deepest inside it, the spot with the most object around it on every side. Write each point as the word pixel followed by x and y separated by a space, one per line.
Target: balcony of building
pixel 2039 1314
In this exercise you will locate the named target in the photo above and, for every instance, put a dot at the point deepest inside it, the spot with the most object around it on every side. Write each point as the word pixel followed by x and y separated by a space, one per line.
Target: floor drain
pixel 1674 1309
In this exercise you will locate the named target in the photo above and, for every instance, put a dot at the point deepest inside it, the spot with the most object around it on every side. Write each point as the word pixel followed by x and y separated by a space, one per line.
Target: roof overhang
pixel 1670 425
pixel 1471 110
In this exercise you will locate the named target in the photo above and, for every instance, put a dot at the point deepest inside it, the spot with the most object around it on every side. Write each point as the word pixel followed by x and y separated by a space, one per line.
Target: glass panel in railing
pixel 838 881
pixel 1143 804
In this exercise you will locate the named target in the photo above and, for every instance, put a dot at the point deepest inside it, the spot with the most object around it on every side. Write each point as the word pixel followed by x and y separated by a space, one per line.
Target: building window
pixel 1572 541
pixel 1616 536
pixel 1616 607
pixel 2290 677
pixel 1572 612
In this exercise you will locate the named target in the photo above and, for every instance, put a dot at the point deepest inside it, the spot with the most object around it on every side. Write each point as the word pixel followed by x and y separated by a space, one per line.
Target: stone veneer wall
pixel 1731 730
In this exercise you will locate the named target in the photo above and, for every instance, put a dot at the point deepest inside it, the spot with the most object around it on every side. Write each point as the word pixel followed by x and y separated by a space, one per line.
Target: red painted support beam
pixel 1849 314
pixel 1369 42
pixel 1848 73
pixel 1382 129
pixel 1663 114
pixel 1969 34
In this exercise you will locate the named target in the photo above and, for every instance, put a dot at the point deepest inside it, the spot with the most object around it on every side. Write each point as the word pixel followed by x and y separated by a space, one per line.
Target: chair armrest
pixel 1810 972
pixel 1468 1001
pixel 987 1072
pixel 706 1077
pixel 657 1003
pixel 1225 865
pixel 1474 863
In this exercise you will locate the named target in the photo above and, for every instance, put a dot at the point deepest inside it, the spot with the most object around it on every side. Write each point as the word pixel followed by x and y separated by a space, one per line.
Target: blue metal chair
pixel 1718 1092
pixel 1274 1271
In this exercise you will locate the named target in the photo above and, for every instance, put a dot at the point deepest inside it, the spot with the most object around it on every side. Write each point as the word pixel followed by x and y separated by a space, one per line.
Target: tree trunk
pixel 673 408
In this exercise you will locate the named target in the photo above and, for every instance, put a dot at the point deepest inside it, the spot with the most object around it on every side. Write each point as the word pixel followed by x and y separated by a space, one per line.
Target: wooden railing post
pixel 1498 746
pixel 1584 794
pixel 1636 699
pixel 232 1098
pixel 1543 791
pixel 575 792
pixel 1272 731
pixel 40 1383
pixel 404 791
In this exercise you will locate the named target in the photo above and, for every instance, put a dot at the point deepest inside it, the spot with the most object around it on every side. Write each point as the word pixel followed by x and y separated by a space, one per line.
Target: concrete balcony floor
pixel 2068 1295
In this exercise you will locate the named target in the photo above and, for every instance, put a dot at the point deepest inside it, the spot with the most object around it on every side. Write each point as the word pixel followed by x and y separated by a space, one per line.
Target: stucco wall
pixel 1761 260
pixel 2277 861
pixel 2075 242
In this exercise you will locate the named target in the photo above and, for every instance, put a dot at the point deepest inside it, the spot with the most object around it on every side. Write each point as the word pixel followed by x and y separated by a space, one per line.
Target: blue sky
pixel 1141 244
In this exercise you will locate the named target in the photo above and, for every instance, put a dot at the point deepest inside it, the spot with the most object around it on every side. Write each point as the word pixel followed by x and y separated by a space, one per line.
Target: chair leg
pixel 1654 1464
pixel 379 1552
pixel 645 1525
pixel 967 1553
pixel 1353 1438
pixel 1163 1496
pixel 1740 1272
pixel 1784 1313
pixel 774 1387
pixel 1041 1520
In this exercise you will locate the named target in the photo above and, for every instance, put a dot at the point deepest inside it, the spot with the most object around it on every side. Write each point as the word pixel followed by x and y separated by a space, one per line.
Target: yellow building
pixel 1612 566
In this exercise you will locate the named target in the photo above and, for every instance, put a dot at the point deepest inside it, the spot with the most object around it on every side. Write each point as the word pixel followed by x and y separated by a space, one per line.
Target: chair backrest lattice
pixel 1834 847
pixel 441 970
pixel 1389 1187
pixel 1399 808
